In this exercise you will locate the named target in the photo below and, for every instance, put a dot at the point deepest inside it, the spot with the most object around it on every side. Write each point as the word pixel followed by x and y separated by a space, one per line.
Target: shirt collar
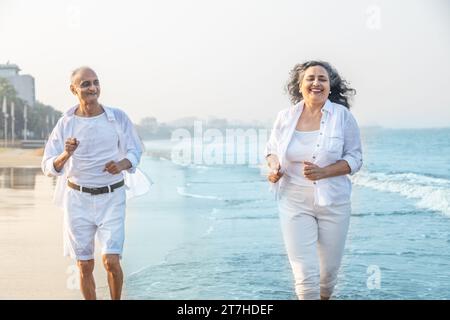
pixel 327 107
pixel 109 112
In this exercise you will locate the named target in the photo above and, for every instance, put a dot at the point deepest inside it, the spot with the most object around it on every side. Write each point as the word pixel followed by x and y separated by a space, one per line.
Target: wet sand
pixel 20 158
pixel 31 261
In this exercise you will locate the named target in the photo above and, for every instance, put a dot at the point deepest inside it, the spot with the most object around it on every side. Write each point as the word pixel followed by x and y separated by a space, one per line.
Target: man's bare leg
pixel 87 283
pixel 115 275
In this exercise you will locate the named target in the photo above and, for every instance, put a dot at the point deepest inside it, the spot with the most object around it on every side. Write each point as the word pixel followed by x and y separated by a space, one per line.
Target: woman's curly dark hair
pixel 340 91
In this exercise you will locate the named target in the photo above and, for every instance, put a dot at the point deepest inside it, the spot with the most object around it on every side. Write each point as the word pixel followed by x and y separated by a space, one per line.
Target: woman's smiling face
pixel 315 85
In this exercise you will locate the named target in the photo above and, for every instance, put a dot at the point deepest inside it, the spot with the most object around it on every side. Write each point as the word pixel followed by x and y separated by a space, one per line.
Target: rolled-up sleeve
pixel 53 148
pixel 134 146
pixel 352 145
pixel 274 139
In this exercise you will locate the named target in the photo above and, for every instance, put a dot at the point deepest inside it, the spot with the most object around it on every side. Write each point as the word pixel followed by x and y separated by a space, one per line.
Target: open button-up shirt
pixel 130 147
pixel 339 139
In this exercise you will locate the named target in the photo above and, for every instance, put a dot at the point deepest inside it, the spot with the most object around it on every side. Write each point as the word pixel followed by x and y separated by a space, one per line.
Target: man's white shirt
pixel 98 144
pixel 129 147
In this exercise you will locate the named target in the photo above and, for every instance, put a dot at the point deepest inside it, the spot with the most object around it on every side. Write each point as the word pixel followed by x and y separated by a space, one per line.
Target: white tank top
pixel 99 144
pixel 300 149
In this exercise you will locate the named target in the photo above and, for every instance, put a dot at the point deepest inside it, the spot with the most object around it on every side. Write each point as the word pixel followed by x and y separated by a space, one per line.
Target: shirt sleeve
pixel 274 139
pixel 53 148
pixel 134 147
pixel 352 145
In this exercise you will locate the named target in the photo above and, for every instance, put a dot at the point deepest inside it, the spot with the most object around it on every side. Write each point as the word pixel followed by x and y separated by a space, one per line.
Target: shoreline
pixel 31 259
pixel 32 263
pixel 20 158
pixel 31 229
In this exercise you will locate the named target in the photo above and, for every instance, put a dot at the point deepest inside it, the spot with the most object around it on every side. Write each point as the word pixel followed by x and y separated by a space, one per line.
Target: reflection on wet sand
pixel 31 247
pixel 20 178
pixel 31 261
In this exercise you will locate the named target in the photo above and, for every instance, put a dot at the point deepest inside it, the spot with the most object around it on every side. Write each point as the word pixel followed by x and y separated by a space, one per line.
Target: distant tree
pixel 41 120
pixel 6 89
pixel 218 123
pixel 150 124
pixel 41 117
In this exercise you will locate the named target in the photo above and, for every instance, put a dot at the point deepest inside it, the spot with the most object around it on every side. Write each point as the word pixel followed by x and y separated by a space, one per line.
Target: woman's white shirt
pixel 338 139
pixel 300 148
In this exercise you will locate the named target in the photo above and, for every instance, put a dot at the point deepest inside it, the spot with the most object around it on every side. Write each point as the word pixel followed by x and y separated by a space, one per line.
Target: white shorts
pixel 87 216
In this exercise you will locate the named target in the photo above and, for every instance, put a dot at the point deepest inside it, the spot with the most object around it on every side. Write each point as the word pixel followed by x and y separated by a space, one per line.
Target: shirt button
pixel 314 157
pixel 323 122
pixel 318 145
pixel 314 182
pixel 321 133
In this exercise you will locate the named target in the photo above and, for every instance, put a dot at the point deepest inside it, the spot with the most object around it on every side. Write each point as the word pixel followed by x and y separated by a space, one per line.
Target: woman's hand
pixel 313 172
pixel 274 164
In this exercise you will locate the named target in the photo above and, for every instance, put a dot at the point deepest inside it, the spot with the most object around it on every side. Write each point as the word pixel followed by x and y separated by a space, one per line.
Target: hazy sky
pixel 231 58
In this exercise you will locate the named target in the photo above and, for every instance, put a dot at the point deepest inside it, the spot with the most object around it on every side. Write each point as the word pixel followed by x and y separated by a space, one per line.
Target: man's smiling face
pixel 86 86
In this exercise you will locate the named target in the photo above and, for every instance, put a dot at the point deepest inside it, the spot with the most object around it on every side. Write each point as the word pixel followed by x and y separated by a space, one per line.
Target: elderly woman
pixel 313 147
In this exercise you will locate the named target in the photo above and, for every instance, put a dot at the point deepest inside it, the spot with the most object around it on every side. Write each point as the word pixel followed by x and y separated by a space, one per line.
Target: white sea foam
pixel 210 229
pixel 182 191
pixel 198 166
pixel 430 193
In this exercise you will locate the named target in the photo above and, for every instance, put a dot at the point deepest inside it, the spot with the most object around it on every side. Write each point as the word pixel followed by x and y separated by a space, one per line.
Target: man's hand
pixel 313 172
pixel 274 165
pixel 114 167
pixel 71 145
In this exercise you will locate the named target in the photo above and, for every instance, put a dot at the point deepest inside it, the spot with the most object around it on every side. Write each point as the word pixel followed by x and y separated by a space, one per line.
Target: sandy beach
pixel 20 158
pixel 31 261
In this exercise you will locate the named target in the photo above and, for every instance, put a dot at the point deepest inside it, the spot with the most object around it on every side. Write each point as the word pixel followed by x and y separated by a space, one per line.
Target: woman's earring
pixel 330 92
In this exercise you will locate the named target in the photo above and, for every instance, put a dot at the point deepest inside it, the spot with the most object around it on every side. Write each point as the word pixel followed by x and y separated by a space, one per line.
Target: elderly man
pixel 91 150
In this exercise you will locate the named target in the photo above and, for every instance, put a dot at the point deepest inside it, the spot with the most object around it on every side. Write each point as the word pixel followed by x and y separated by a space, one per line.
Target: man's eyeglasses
pixel 87 84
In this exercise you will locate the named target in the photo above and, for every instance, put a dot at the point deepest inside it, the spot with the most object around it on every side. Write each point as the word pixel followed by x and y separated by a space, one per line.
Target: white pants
pixel 314 237
pixel 87 216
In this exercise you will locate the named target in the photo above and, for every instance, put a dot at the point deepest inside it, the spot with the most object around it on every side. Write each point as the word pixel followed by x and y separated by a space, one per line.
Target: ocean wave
pixel 386 213
pixel 266 217
pixel 234 182
pixel 182 192
pixel 210 229
pixel 247 203
pixel 224 165
pixel 430 193
pixel 199 167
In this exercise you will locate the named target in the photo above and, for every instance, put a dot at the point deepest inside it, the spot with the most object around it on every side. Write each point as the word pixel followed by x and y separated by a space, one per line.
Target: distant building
pixel 24 84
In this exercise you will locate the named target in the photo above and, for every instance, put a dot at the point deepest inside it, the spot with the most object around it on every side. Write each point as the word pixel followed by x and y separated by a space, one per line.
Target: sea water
pixel 212 231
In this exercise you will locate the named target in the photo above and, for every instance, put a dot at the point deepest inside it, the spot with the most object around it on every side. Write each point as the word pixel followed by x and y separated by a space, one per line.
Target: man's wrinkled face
pixel 85 86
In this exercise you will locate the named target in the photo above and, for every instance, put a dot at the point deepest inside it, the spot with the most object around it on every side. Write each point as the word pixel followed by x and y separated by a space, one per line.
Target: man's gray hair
pixel 78 70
